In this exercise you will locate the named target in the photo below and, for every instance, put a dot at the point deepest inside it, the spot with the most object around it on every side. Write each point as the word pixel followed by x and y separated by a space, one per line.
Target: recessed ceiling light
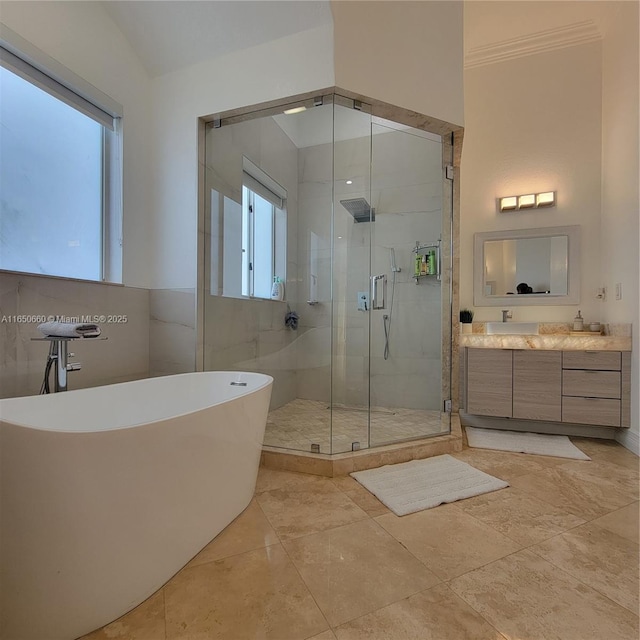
pixel 294 110
pixel 349 181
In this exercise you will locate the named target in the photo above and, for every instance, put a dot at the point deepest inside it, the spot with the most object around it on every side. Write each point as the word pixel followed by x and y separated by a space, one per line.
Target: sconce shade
pixel 527 201
pixel 547 199
pixel 508 204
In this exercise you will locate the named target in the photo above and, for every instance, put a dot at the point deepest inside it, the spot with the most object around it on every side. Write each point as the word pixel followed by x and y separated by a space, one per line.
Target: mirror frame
pixel 480 299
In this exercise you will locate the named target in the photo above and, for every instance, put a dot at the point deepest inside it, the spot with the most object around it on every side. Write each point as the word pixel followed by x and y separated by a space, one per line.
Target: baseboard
pixel 538 426
pixel 629 440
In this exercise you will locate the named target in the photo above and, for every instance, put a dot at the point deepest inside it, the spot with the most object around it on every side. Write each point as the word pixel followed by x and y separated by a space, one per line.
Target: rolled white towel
pixel 69 329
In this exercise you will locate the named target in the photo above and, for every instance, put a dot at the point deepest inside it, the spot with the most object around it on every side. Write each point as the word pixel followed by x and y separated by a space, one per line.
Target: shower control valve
pixel 74 366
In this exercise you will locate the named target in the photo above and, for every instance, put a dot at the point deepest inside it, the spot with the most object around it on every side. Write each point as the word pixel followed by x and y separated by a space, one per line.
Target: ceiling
pixel 170 35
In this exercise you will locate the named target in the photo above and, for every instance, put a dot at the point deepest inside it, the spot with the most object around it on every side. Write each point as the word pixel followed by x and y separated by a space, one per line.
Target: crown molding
pixel 539 42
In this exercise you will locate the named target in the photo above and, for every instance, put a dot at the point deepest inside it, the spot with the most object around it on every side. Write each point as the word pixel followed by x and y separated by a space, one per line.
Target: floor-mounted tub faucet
pixel 506 314
pixel 60 355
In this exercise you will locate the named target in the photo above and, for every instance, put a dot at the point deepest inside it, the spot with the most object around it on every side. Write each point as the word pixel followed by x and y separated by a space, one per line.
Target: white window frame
pixel 33 65
pixel 256 181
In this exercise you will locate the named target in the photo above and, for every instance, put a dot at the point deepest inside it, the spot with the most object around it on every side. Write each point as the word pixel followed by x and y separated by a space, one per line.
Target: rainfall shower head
pixel 360 209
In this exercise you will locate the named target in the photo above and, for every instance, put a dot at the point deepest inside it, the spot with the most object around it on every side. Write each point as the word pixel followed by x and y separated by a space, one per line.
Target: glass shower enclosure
pixel 327 266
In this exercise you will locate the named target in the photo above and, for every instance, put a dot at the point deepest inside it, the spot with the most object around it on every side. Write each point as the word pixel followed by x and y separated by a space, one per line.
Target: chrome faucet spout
pixel 506 314
pixel 60 354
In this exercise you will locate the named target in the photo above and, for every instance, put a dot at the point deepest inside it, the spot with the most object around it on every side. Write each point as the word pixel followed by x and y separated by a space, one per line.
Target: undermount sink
pixel 512 328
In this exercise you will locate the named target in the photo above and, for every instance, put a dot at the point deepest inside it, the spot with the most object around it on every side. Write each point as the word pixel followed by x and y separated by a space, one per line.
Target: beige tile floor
pixel 553 557
pixel 301 423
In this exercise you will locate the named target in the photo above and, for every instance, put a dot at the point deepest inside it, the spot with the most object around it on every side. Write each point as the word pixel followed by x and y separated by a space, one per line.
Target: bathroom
pixel 160 188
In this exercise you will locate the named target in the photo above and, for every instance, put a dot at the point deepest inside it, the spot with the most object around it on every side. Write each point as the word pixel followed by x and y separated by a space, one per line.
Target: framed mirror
pixel 527 267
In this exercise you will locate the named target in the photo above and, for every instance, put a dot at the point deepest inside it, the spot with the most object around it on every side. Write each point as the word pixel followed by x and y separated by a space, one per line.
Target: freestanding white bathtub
pixel 108 492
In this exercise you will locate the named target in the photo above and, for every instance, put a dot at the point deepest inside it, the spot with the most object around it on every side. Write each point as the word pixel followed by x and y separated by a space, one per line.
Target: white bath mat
pixel 423 484
pixel 521 442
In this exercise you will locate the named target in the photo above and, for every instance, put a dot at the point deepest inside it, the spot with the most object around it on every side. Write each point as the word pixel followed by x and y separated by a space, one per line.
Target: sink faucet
pixel 506 314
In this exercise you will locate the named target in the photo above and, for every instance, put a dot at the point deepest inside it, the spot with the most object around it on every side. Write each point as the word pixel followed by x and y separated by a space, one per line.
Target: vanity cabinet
pixel 489 387
pixel 592 387
pixel 582 387
pixel 537 382
pixel 506 383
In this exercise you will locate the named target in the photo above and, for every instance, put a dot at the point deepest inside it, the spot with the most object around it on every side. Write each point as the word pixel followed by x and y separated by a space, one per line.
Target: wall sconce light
pixel 527 201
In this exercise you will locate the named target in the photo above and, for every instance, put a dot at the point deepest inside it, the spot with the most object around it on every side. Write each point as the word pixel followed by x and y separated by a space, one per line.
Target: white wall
pixel 620 170
pixel 82 37
pixel 534 124
pixel 288 66
pixel 408 54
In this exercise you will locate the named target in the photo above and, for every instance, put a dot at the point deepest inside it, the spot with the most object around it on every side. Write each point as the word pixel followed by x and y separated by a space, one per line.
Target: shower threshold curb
pixel 342 464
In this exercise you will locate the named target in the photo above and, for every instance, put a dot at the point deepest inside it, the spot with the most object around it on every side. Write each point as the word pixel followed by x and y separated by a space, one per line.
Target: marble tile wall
pixel 240 333
pixel 250 335
pixel 172 331
pixel 123 356
pixel 407 197
pixel 314 251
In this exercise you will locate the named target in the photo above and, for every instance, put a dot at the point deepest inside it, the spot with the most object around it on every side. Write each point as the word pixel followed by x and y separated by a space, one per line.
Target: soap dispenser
pixel 277 290
pixel 578 322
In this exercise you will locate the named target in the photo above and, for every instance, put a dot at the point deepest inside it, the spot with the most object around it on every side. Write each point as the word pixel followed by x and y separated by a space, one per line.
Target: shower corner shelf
pixel 423 249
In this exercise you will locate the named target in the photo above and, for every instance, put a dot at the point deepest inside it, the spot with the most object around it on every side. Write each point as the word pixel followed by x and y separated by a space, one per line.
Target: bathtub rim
pixel 265 382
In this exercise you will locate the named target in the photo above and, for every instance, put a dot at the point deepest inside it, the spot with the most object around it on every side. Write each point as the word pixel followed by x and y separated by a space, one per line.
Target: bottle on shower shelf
pixel 277 290
pixel 432 262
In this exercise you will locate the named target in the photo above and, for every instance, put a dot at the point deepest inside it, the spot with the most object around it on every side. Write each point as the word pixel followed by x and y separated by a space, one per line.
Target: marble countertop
pixel 551 342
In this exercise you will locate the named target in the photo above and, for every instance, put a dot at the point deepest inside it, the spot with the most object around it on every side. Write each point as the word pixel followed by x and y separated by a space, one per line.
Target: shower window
pixel 262 244
pixel 253 227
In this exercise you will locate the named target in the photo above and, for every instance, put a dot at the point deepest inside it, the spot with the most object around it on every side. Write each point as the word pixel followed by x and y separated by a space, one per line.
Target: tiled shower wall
pixel 242 334
pixel 406 194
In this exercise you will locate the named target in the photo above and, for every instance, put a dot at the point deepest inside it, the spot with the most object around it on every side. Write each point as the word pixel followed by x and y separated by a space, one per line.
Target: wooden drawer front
pixel 625 420
pixel 489 382
pixel 593 384
pixel 602 360
pixel 598 411
pixel 537 384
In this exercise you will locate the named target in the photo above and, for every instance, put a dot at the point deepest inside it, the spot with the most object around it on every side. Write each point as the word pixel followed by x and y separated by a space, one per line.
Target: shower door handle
pixel 378 287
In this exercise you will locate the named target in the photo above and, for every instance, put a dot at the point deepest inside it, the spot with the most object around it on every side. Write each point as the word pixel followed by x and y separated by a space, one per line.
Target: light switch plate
pixel 618 290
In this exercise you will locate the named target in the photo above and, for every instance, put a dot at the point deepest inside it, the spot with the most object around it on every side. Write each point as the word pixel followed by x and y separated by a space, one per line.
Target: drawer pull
pixel 592 352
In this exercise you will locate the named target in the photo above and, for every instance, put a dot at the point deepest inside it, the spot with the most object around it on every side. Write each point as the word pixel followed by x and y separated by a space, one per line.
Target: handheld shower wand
pixel 394 267
pixel 386 319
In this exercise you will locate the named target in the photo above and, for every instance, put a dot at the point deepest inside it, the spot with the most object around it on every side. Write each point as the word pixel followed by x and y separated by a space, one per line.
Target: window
pixel 255 236
pixel 59 178
pixel 262 225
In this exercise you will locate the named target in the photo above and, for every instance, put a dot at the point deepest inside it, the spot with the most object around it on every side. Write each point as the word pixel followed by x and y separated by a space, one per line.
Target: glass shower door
pixel 409 343
pixel 353 218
